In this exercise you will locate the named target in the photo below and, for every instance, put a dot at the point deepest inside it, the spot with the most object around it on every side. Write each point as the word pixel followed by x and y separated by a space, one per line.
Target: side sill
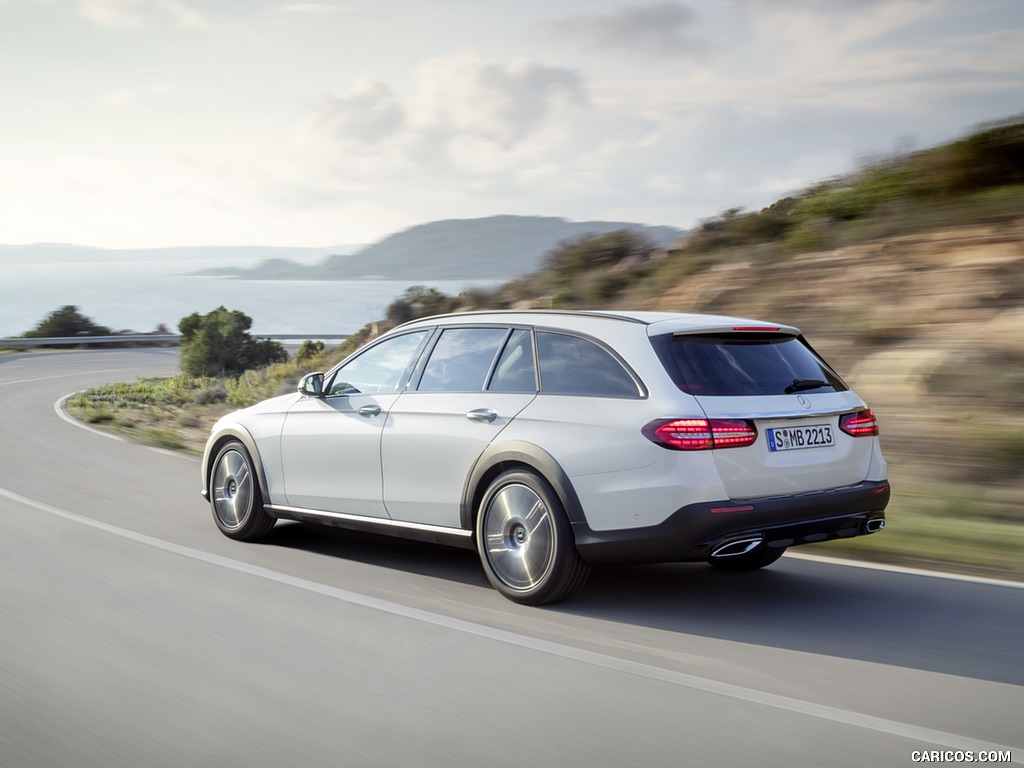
pixel 435 534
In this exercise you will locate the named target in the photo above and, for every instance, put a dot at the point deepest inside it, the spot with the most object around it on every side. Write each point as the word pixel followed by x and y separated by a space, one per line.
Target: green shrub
pixel 589 252
pixel 218 344
pixel 67 321
pixel 309 351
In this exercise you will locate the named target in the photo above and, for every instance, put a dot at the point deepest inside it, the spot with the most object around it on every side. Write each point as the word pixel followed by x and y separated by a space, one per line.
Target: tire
pixel 235 496
pixel 525 541
pixel 751 561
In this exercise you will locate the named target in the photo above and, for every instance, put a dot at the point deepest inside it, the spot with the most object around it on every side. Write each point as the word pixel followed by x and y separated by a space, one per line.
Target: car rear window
pixel 731 364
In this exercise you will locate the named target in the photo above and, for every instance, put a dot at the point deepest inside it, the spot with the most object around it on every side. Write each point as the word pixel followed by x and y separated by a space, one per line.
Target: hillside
pixel 496 247
pixel 907 276
pixel 929 329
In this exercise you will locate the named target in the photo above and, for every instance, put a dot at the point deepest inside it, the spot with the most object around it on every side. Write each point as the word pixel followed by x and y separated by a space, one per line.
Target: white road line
pixel 908 571
pixel 64 376
pixel 928 736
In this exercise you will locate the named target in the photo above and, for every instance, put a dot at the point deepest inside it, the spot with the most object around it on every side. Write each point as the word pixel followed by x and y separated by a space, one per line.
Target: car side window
pixel 515 371
pixel 379 369
pixel 461 359
pixel 571 365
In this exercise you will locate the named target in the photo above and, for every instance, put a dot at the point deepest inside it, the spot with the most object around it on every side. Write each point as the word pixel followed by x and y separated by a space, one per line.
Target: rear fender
pixel 514 454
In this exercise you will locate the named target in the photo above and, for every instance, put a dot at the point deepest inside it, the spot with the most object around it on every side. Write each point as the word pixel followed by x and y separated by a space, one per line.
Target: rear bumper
pixel 693 532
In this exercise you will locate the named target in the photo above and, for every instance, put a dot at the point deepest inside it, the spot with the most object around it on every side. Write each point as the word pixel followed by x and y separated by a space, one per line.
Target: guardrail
pixel 172 339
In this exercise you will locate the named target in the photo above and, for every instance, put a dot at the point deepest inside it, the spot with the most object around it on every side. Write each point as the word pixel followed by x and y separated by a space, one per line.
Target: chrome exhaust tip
pixel 737 547
pixel 873 526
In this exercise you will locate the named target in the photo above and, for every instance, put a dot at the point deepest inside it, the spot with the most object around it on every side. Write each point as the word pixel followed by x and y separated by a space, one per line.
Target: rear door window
pixel 739 364
pixel 571 365
pixel 515 370
pixel 462 359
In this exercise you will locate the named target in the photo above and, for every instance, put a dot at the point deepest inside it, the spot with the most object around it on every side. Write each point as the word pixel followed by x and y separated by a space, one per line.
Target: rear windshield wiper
pixel 799 385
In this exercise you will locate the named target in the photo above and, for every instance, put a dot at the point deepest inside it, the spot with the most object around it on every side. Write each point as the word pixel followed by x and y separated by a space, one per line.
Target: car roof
pixel 657 323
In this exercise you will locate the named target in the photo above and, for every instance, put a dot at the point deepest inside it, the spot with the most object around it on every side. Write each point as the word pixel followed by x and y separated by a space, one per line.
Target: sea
pixel 143 296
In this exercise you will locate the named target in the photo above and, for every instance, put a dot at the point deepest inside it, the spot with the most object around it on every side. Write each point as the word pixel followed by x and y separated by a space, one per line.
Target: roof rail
pixel 606 315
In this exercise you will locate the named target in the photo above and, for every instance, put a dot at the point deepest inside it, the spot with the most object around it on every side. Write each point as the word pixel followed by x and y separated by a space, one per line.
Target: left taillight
pixel 859 424
pixel 700 434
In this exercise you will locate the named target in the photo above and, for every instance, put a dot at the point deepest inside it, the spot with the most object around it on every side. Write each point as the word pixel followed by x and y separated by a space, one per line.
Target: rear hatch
pixel 769 378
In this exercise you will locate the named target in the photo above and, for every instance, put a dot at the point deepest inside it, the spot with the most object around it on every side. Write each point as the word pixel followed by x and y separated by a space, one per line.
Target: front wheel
pixel 525 541
pixel 751 561
pixel 235 495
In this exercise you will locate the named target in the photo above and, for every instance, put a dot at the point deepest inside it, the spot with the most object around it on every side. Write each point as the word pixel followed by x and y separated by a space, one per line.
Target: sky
pixel 150 123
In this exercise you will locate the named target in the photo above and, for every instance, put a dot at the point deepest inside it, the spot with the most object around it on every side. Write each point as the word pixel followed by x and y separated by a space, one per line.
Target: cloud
pixel 654 30
pixel 127 14
pixel 462 95
pixel 111 14
pixel 129 97
pixel 121 98
pixel 184 15
pixel 310 8
pixel 467 129
pixel 803 93
pixel 368 112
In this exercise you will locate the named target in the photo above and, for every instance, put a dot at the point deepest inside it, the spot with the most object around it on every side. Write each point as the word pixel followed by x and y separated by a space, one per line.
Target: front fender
pixel 224 432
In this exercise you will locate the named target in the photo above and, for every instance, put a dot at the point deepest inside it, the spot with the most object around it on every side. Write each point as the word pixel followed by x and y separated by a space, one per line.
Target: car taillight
pixel 700 434
pixel 860 424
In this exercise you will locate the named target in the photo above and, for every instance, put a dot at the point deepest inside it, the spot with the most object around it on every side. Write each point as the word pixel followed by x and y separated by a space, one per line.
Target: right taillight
pixel 859 424
pixel 700 434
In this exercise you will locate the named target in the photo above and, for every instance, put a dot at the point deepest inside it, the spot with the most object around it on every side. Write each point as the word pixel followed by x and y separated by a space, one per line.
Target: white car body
pixel 428 448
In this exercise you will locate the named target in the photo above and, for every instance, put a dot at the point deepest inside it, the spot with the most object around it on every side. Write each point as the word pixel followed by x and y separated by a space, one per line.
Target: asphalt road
pixel 133 634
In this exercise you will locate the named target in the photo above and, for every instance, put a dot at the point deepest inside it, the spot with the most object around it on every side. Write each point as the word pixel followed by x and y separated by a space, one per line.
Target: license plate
pixel 795 438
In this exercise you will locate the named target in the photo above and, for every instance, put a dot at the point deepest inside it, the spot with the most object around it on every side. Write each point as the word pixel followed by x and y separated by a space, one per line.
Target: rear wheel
pixel 751 561
pixel 525 541
pixel 235 495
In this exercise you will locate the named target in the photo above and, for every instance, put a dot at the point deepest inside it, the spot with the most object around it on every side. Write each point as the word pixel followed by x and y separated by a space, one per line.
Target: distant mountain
pixel 189 256
pixel 491 248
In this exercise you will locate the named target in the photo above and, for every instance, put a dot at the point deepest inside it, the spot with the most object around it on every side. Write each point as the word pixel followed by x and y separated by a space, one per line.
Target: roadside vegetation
pixel 908 275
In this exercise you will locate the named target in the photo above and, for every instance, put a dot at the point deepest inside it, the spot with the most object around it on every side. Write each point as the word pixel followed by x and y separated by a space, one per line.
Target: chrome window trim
pixel 377 521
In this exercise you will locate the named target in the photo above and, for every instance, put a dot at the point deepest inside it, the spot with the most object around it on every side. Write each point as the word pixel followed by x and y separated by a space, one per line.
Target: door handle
pixel 482 415
pixel 369 410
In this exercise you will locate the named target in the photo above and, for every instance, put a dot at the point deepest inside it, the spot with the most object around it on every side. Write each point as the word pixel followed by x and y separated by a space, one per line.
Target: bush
pixel 218 344
pixel 597 251
pixel 419 301
pixel 309 351
pixel 66 321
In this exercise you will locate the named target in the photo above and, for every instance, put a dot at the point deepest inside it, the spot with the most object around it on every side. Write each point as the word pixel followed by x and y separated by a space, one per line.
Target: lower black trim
pixel 691 533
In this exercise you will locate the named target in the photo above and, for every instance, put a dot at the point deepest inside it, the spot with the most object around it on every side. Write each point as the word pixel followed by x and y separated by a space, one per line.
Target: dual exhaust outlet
pixel 737 547
pixel 748 544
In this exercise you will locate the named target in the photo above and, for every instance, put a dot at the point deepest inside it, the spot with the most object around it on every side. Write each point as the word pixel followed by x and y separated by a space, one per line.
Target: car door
pixel 330 445
pixel 474 382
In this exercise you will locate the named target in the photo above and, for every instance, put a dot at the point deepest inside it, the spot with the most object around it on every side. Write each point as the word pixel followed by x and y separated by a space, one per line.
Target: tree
pixel 66 321
pixel 218 344
pixel 419 301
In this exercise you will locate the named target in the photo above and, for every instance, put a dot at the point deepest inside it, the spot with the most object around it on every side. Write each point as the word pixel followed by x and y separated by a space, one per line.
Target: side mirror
pixel 312 385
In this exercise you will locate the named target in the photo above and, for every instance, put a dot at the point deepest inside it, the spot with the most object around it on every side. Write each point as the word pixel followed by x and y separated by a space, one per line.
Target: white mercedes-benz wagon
pixel 551 441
